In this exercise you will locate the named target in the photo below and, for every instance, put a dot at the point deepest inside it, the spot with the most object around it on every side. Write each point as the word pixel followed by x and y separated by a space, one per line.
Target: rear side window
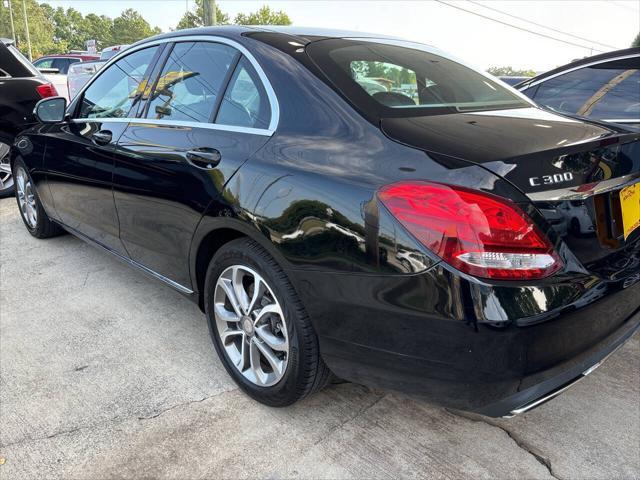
pixel 190 82
pixel 62 64
pixel 114 91
pixel 245 103
pixel 607 91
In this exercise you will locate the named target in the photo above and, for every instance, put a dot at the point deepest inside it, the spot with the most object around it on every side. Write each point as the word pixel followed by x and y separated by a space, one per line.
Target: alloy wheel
pixel 6 179
pixel 251 325
pixel 26 197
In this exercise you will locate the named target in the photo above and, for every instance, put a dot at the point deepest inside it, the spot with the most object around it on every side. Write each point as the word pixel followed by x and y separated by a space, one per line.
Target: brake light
pixel 46 90
pixel 476 232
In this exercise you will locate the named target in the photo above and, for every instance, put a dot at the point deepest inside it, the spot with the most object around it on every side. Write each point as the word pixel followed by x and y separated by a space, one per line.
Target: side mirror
pixel 51 110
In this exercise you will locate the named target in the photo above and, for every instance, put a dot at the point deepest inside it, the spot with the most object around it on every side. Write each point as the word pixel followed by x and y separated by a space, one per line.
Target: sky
pixel 591 25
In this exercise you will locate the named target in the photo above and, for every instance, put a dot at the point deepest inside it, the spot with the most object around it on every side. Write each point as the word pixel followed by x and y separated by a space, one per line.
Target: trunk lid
pixel 573 171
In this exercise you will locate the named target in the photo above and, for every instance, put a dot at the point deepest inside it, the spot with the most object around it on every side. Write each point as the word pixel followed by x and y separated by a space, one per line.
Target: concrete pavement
pixel 105 373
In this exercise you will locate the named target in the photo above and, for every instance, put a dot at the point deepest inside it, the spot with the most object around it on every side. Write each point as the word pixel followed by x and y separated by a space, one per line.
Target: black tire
pixel 44 227
pixel 306 372
pixel 6 180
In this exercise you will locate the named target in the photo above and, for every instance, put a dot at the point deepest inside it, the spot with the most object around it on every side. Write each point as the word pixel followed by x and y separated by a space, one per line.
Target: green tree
pixel 195 18
pixel 636 42
pixel 130 27
pixel 264 16
pixel 68 27
pixel 40 27
pixel 509 71
pixel 99 28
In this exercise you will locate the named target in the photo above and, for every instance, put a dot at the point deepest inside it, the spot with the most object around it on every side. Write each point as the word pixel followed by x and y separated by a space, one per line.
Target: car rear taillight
pixel 476 232
pixel 46 90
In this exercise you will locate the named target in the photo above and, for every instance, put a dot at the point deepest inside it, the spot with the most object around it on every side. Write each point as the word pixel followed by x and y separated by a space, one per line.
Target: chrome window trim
pixel 571 193
pixel 621 120
pixel 273 99
pixel 542 80
pixel 177 124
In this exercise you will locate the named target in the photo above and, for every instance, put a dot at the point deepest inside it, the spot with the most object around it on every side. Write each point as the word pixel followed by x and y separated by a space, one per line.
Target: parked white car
pixel 56 67
pixel 80 73
pixel 577 215
pixel 556 215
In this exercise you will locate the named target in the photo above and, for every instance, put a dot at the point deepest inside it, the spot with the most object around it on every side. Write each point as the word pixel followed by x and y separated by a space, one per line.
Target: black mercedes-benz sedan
pixel 353 206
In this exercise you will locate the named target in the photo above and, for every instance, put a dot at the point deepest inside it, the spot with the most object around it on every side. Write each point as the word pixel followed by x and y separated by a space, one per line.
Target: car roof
pixel 316 32
pixel 6 41
pixel 306 34
pixel 69 55
pixel 600 58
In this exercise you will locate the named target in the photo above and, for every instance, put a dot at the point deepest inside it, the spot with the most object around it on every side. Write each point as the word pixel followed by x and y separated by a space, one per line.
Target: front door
pixel 175 160
pixel 79 156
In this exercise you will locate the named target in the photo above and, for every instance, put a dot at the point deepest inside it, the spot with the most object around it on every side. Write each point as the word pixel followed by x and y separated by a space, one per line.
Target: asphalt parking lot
pixel 105 373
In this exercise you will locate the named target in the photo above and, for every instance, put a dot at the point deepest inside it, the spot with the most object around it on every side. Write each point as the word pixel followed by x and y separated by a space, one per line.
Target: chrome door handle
pixel 103 137
pixel 206 158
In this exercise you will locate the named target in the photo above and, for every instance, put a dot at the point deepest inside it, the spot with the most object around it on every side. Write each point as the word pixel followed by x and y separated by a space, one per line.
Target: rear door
pixel 62 64
pixel 189 139
pixel 79 154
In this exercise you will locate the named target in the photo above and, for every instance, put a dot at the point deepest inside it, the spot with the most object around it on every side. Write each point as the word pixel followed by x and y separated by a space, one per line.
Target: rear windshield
pixel 397 81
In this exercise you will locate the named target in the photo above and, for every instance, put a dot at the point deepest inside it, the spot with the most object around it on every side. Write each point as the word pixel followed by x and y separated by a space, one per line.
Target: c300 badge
pixel 551 179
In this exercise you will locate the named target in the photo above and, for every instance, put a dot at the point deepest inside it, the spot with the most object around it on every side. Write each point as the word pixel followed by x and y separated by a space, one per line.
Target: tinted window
pixel 391 80
pixel 116 88
pixel 245 102
pixel 608 91
pixel 190 82
pixel 44 63
pixel 62 64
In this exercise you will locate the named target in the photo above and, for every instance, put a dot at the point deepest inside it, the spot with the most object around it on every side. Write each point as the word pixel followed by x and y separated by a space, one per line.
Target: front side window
pixel 44 63
pixel 396 80
pixel 190 82
pixel 245 103
pixel 608 91
pixel 116 89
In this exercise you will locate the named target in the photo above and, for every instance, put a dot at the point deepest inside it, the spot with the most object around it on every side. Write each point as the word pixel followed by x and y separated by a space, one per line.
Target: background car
pixel 112 51
pixel 80 73
pixel 603 87
pixel 513 80
pixel 577 217
pixel 21 87
pixel 555 217
pixel 56 67
pixel 61 63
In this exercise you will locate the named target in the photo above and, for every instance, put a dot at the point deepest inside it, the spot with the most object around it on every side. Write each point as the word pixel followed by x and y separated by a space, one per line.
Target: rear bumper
pixel 534 396
pixel 417 334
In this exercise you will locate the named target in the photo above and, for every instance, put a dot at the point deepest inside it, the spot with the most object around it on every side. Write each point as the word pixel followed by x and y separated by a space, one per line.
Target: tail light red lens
pixel 476 232
pixel 47 90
